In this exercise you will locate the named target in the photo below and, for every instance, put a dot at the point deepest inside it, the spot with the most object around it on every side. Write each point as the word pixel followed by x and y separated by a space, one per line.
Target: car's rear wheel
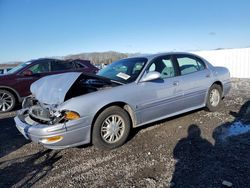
pixel 214 98
pixel 7 101
pixel 111 128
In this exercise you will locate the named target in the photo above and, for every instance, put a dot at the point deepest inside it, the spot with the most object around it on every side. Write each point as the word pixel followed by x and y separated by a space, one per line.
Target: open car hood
pixel 53 89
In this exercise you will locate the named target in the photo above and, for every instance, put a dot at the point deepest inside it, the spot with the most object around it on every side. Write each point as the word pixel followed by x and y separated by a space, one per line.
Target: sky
pixel 43 28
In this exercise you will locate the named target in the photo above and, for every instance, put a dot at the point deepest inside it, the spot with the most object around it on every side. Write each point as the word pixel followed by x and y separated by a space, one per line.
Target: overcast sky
pixel 38 28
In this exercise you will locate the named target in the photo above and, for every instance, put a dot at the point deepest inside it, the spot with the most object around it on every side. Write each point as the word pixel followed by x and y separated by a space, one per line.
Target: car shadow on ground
pixel 21 171
pixel 10 138
pixel 201 164
pixel 135 131
pixel 26 171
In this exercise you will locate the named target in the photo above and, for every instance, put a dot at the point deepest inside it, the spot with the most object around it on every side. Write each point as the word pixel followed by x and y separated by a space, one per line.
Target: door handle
pixel 208 75
pixel 176 83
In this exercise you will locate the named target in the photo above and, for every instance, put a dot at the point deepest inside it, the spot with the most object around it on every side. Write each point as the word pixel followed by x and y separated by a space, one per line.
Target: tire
pixel 214 98
pixel 7 101
pixel 106 134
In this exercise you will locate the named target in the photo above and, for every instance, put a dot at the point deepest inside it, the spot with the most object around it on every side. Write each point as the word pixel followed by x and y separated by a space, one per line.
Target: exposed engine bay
pixel 87 84
pixel 46 113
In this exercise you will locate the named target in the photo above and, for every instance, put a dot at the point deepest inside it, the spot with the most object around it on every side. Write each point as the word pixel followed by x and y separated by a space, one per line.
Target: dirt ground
pixel 190 150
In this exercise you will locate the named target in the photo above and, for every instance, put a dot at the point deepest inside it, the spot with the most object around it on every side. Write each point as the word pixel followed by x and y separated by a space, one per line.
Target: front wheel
pixel 214 98
pixel 111 128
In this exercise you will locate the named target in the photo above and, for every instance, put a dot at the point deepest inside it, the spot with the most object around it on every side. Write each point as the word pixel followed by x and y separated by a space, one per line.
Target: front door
pixel 161 97
pixel 23 82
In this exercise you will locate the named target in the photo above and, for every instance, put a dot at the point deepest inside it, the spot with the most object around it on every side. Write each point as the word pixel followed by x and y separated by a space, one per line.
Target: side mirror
pixel 154 75
pixel 27 73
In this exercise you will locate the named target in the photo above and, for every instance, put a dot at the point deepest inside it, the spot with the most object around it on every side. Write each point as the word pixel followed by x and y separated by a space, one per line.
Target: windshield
pixel 19 67
pixel 125 70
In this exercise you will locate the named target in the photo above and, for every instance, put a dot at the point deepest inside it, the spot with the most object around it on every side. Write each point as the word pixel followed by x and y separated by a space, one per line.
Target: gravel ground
pixel 190 150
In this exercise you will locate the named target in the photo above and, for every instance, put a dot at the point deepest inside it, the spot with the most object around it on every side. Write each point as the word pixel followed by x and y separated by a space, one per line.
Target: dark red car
pixel 15 85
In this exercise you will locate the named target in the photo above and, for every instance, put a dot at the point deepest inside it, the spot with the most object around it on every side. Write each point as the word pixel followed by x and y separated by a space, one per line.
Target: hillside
pixel 9 65
pixel 100 57
pixel 94 57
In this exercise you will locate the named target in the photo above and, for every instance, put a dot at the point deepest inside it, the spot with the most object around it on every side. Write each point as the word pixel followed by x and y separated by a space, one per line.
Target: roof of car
pixel 41 59
pixel 152 56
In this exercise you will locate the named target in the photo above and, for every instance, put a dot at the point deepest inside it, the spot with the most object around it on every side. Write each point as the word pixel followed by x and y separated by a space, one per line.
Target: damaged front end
pixel 43 121
pixel 52 129
pixel 42 113
pixel 50 92
pixel 46 114
pixel 43 124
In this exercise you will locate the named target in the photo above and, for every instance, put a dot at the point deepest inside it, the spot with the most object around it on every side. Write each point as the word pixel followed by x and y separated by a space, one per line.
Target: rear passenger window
pixel 189 64
pixel 80 66
pixel 61 65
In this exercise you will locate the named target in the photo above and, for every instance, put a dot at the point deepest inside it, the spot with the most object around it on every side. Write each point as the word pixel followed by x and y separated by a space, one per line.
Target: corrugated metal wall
pixel 236 60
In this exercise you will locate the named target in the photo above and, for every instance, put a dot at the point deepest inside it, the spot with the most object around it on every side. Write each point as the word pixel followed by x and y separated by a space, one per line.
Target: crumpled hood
pixel 53 89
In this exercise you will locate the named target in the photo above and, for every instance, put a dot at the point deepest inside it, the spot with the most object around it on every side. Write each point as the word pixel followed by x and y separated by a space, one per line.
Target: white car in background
pixel 4 70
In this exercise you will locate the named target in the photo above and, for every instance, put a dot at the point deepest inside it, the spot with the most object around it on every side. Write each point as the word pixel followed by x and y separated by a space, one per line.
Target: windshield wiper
pixel 117 82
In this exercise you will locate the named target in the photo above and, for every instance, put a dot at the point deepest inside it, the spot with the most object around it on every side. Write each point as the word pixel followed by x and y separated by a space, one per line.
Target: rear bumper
pixel 73 133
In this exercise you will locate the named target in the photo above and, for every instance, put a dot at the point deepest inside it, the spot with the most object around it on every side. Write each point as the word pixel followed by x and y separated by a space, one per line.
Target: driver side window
pixel 164 66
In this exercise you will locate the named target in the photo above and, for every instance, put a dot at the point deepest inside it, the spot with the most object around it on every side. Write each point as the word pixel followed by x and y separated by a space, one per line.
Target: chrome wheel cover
pixel 112 128
pixel 6 101
pixel 214 97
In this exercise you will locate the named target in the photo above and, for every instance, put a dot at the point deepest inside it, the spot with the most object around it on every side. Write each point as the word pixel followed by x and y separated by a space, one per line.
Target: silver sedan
pixel 71 109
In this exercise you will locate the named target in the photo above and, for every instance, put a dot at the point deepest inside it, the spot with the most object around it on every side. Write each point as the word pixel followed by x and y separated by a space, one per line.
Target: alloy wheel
pixel 6 101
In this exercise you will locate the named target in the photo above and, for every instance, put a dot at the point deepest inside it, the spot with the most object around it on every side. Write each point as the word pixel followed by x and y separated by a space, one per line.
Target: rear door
pixel 195 80
pixel 162 97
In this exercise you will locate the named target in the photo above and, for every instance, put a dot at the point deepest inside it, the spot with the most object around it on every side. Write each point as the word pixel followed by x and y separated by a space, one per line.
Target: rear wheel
pixel 214 98
pixel 111 128
pixel 7 101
